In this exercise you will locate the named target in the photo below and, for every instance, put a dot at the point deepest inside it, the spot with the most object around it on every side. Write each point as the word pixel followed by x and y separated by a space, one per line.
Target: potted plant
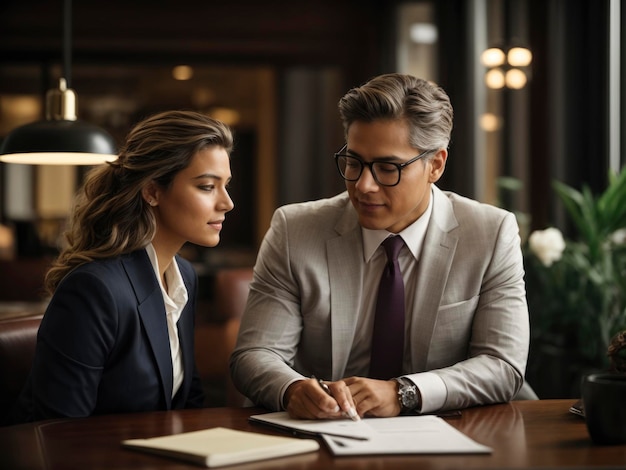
pixel 576 288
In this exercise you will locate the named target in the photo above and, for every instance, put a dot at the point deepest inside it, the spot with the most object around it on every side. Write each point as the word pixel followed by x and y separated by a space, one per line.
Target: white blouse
pixel 175 299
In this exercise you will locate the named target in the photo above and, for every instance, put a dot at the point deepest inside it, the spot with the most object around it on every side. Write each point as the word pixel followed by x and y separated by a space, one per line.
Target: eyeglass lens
pixel 384 173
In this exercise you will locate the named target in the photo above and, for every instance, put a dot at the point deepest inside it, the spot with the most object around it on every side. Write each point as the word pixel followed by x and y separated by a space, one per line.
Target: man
pixel 312 306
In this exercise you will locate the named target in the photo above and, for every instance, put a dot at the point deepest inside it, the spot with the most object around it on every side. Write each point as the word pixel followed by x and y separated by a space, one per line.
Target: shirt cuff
pixel 284 389
pixel 432 390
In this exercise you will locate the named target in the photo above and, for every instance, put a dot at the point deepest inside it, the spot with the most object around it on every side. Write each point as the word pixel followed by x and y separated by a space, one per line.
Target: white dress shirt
pixel 432 388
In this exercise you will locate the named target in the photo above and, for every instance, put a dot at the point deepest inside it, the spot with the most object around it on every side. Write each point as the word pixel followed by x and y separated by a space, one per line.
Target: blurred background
pixel 275 70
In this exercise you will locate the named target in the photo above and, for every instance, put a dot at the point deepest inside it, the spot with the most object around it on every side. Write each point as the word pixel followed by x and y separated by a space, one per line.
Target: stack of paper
pixel 399 435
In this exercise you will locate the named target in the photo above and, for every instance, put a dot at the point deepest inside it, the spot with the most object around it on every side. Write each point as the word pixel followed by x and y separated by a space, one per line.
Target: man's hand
pixel 374 397
pixel 306 399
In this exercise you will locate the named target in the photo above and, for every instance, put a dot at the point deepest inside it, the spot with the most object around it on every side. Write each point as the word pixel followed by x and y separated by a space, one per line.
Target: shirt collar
pixel 176 295
pixel 413 235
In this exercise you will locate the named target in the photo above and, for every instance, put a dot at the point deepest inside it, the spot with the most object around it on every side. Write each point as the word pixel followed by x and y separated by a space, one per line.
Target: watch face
pixel 409 397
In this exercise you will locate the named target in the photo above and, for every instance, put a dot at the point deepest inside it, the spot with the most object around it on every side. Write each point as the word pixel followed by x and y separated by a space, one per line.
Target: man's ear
pixel 437 165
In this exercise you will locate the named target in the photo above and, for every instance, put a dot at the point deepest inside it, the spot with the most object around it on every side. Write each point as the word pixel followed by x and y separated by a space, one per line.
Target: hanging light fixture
pixel 506 68
pixel 59 139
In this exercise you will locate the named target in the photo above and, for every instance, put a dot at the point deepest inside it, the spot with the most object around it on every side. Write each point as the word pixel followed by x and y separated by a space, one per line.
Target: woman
pixel 118 334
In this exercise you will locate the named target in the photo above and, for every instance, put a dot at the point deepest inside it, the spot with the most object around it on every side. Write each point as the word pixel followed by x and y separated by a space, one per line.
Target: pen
pixel 351 413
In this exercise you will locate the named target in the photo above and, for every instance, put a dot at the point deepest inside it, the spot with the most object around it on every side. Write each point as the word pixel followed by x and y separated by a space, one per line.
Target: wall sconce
pixel 506 69
pixel 59 139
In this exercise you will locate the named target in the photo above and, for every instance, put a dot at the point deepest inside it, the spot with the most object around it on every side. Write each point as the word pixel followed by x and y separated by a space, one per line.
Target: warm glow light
pixel 18 110
pixel 202 97
pixel 516 79
pixel 423 33
pixel 227 115
pixel 519 57
pixel 489 122
pixel 492 57
pixel 494 79
pixel 57 158
pixel 56 186
pixel 7 240
pixel 182 72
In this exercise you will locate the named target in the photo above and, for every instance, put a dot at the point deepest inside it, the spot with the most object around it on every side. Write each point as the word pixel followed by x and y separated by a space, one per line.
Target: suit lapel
pixel 434 267
pixel 185 337
pixel 152 313
pixel 345 266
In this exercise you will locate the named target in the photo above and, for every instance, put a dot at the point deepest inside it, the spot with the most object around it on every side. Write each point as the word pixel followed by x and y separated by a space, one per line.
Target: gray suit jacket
pixel 470 320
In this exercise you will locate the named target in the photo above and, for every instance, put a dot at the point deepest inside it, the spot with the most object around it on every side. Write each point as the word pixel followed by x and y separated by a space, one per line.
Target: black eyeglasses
pixel 384 173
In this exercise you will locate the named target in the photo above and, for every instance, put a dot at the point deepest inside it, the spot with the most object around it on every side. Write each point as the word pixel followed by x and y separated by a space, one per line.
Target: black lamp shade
pixel 58 142
pixel 58 136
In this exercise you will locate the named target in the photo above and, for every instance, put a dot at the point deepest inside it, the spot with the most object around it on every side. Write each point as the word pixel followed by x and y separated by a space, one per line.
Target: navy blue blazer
pixel 103 344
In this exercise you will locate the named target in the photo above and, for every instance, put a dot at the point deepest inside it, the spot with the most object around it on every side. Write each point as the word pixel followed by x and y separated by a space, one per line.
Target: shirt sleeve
pixel 432 390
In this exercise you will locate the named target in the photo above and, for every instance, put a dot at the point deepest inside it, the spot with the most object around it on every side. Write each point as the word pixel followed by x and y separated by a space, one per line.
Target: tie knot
pixel 393 245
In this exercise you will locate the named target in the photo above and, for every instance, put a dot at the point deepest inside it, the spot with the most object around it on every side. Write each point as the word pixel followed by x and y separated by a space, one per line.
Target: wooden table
pixel 523 434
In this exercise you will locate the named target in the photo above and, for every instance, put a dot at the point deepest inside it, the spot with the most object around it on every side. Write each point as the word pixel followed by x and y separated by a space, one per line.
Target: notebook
pixel 219 446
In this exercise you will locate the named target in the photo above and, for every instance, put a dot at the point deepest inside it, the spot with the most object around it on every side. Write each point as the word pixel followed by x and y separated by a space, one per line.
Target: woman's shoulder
pixel 100 266
pixel 111 268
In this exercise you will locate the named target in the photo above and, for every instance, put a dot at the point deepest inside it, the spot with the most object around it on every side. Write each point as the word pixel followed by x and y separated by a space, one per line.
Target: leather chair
pixel 21 279
pixel 18 337
pixel 216 336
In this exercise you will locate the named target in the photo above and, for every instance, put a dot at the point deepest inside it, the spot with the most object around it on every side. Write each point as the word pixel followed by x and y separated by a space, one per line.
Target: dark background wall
pixel 354 39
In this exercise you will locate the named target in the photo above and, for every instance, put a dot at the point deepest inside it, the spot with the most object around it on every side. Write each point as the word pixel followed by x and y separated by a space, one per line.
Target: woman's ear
pixel 149 194
pixel 437 165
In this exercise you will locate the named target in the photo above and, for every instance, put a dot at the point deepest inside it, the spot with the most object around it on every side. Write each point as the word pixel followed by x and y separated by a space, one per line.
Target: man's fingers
pixel 342 394
pixel 310 401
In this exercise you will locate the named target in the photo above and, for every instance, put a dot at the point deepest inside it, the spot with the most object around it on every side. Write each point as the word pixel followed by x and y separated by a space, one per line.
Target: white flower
pixel 618 237
pixel 547 245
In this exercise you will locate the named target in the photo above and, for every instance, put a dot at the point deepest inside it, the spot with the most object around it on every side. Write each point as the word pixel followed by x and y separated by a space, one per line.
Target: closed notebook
pixel 216 447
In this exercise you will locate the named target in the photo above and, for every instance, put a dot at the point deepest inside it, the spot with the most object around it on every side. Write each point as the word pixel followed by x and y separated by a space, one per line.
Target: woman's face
pixel 193 208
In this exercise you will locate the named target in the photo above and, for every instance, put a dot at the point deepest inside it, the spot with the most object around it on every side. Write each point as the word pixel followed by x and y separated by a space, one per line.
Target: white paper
pixel 399 435
pixel 338 427
pixel 408 435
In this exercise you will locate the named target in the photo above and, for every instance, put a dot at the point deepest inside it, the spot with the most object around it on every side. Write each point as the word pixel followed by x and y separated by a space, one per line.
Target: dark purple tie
pixel 388 334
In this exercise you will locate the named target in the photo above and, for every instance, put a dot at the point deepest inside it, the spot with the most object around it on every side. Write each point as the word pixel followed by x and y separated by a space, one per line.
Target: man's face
pixel 391 208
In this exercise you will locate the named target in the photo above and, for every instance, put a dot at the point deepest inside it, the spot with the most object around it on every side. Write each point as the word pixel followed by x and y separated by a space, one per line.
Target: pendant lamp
pixel 59 139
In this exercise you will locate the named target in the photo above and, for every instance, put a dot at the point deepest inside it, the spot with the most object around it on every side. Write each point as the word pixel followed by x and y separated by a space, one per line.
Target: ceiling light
pixel 182 72
pixel 59 139
pixel 423 33
pixel 516 79
pixel 519 57
pixel 489 122
pixel 492 57
pixel 494 79
pixel 228 116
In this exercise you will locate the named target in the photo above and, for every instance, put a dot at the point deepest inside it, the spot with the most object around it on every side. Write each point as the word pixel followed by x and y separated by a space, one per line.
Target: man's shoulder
pixel 324 217
pixel 480 221
pixel 330 210
pixel 463 205
pixel 334 203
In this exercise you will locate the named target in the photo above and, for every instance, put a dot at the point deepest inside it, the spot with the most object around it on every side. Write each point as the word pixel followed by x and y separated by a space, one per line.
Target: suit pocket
pixel 452 333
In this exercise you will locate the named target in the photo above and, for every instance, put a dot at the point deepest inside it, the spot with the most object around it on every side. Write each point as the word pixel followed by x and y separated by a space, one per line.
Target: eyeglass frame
pixel 370 165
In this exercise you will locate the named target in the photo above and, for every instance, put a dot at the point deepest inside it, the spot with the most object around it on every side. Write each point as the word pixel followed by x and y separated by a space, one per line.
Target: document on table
pixel 399 435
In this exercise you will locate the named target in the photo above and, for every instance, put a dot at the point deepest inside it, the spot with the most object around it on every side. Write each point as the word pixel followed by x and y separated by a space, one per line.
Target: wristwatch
pixel 408 394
